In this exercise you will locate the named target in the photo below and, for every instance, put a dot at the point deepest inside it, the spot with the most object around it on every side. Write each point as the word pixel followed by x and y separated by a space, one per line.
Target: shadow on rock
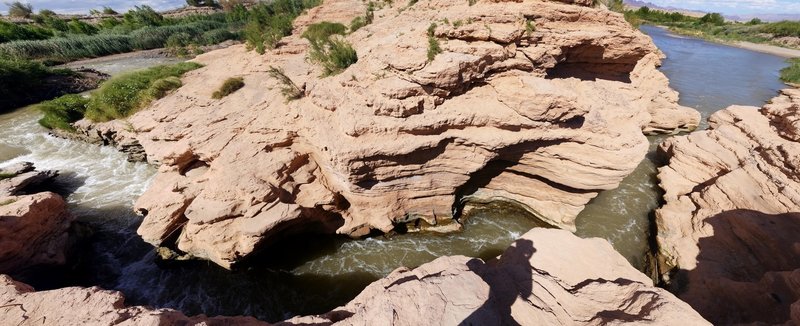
pixel 506 284
pixel 748 271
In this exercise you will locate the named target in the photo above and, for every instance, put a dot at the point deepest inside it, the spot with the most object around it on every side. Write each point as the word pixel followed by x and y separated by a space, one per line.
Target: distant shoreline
pixel 763 48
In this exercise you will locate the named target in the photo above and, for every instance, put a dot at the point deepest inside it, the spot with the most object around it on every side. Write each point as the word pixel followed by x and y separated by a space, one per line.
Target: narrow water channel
pixel 325 272
pixel 709 77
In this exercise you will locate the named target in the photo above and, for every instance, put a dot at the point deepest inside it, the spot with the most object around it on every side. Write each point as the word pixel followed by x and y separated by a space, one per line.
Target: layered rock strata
pixel 542 104
pixel 728 233
pixel 548 277
pixel 33 227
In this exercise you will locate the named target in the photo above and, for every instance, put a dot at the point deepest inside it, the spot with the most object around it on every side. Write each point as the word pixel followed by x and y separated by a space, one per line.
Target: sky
pixel 83 6
pixel 735 7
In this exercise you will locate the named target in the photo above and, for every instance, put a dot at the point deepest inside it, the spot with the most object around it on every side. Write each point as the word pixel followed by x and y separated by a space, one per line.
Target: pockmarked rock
pixel 728 233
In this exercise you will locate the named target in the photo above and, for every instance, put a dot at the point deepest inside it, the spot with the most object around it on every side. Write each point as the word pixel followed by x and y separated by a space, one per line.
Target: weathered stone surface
pixel 33 227
pixel 539 103
pixel 728 233
pixel 20 305
pixel 15 179
pixel 548 277
pixel 116 133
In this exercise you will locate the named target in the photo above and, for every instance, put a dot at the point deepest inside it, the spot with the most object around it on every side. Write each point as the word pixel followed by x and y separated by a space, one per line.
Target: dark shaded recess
pixel 587 62
pixel 733 282
pixel 50 87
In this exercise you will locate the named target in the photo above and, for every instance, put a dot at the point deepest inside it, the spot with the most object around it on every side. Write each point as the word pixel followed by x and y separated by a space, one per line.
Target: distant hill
pixel 636 4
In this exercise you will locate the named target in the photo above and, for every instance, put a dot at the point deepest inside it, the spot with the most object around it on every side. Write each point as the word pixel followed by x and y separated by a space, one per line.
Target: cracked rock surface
pixel 728 233
pixel 541 104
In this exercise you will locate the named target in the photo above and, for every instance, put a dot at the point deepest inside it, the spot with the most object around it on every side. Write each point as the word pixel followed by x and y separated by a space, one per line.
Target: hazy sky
pixel 735 6
pixel 83 6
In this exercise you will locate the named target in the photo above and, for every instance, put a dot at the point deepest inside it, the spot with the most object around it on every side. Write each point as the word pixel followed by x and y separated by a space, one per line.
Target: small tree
pixel 19 9
pixel 713 19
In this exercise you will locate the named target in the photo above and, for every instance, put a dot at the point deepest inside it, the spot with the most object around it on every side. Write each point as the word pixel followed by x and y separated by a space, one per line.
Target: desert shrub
pixel 19 9
pixel 357 23
pixel 289 89
pixel 334 55
pixel 176 43
pixel 156 37
pixel 109 11
pixel 61 112
pixel 267 23
pixel 433 43
pixel 783 28
pixel 228 87
pixel 141 16
pixel 217 36
pixel 713 19
pixel 123 95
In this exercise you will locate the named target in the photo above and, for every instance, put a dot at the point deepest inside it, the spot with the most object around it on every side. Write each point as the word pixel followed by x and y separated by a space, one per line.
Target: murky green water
pixel 709 77
pixel 313 275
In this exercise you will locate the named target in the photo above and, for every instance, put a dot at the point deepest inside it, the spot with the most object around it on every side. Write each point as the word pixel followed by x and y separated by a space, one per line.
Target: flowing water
pixel 709 77
pixel 313 275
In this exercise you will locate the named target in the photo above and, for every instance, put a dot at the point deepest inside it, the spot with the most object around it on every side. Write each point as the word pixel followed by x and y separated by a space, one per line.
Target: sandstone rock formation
pixel 33 227
pixel 538 103
pixel 728 233
pixel 20 305
pixel 548 277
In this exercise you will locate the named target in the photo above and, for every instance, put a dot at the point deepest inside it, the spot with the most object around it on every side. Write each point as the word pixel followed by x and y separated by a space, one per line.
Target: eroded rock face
pixel 542 104
pixel 728 233
pixel 33 227
pixel 547 277
pixel 21 305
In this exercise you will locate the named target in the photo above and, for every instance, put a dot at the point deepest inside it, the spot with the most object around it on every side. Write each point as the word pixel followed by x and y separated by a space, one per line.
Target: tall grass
pixel 125 94
pixel 65 49
pixel 60 113
pixel 20 80
pixel 334 55
pixel 783 28
pixel 791 74
pixel 156 37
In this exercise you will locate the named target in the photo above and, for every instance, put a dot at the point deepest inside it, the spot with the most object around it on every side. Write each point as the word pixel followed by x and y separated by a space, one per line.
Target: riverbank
pixel 758 47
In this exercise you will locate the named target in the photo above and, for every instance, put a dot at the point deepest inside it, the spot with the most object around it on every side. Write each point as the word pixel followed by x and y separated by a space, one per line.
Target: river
pixel 321 273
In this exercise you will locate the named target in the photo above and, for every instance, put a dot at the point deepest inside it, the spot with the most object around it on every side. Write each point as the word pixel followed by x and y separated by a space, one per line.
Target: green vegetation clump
pixel 333 54
pixel 268 22
pixel 228 87
pixel 162 87
pixel 18 78
pixel 783 28
pixel 12 32
pixel 6 176
pixel 433 43
pixel 19 9
pixel 791 74
pixel 123 95
pixel 66 49
pixel 61 112
pixel 288 88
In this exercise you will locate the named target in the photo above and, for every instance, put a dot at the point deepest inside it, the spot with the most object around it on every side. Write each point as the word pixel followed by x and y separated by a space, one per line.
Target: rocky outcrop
pixel 21 305
pixel 538 103
pixel 727 234
pixel 547 277
pixel 116 133
pixel 33 227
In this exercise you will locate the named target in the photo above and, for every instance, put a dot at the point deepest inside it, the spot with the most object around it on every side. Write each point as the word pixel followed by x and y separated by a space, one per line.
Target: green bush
pixel 18 78
pixel 334 55
pixel 357 23
pixel 19 9
pixel 162 87
pixel 156 37
pixel 61 112
pixel 268 22
pixel 228 87
pixel 791 74
pixel 217 36
pixel 12 32
pixel 78 27
pixel 125 94
pixel 783 28
pixel 433 43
